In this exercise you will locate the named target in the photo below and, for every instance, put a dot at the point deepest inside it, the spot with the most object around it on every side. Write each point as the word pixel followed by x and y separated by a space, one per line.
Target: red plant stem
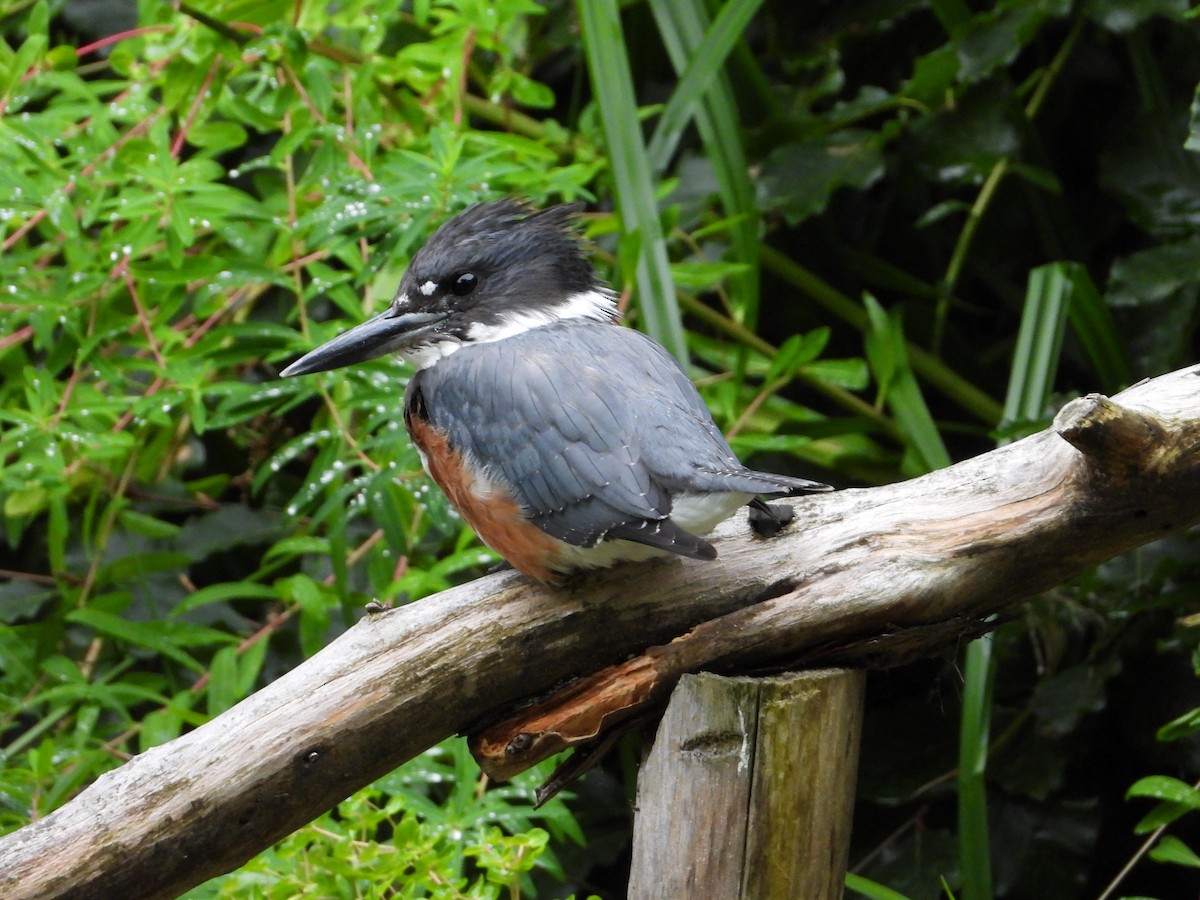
pixel 20 336
pixel 177 144
pixel 120 36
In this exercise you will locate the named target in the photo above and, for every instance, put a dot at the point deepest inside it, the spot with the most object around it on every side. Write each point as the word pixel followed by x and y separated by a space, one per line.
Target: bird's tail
pixel 748 481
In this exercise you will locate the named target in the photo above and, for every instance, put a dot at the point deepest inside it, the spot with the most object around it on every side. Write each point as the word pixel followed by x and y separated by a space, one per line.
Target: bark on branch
pixel 866 577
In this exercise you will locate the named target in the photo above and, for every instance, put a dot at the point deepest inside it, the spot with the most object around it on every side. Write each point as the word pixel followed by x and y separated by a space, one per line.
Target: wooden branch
pixel 888 573
pixel 864 575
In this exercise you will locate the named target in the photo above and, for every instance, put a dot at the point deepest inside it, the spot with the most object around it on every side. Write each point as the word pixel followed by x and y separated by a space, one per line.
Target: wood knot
pixel 519 743
pixel 1115 438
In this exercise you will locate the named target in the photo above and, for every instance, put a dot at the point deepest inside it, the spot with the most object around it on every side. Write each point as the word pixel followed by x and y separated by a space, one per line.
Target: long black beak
pixel 387 332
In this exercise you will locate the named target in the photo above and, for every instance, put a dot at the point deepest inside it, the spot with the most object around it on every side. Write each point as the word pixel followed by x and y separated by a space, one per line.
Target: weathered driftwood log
pixel 865 576
pixel 890 572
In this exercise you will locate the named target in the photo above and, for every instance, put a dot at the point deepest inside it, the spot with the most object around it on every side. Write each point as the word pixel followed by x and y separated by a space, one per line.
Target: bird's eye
pixel 463 283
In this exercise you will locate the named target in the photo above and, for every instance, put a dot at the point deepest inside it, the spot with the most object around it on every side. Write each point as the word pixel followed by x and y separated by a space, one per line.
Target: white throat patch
pixel 597 303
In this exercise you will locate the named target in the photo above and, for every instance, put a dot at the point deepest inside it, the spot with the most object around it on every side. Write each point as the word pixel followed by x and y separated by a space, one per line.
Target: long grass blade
pixel 705 61
pixel 1048 298
pixel 974 846
pixel 932 370
pixel 633 181
pixel 1039 342
pixel 1092 324
pixel 887 354
pixel 872 890
pixel 689 40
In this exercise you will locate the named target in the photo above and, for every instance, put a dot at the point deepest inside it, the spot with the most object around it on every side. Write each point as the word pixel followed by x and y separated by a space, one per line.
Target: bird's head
pixel 493 271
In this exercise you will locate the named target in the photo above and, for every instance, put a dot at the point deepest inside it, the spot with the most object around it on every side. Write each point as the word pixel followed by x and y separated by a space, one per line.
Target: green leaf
pixel 223 592
pixel 217 135
pixel 250 664
pixel 1163 787
pixel 1092 322
pixel 25 502
pixel 799 179
pixel 62 58
pixel 223 688
pixel 993 39
pixel 961 144
pixel 934 74
pixel 38 21
pixel 1172 850
pixel 22 63
pixel 528 92
pixel 1039 342
pixel 852 374
pixel 1154 275
pixel 870 889
pixel 160 726
pixel 138 565
pixel 704 63
pixel 1193 139
pixel 1062 701
pixel 887 356
pixel 145 525
pixel 1122 16
pixel 298 546
pixel 1185 725
pixel 318 85
pixel 141 634
pixel 314 609
pixel 1162 815
pixel 1153 176
pixel 704 275
pixel 797 351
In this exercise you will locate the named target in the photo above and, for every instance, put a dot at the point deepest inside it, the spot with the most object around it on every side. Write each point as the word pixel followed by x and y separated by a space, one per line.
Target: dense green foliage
pixel 897 233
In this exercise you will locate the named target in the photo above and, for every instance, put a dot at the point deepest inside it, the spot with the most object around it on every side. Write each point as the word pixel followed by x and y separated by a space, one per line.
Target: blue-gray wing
pixel 592 425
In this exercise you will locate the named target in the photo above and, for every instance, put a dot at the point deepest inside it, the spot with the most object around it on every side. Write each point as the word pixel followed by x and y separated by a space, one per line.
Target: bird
pixel 566 440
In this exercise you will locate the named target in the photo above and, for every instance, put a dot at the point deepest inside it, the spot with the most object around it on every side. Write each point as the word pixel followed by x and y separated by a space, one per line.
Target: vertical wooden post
pixel 748 791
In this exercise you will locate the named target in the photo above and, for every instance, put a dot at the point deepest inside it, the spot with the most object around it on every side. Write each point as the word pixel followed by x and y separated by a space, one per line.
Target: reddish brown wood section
pixel 493 515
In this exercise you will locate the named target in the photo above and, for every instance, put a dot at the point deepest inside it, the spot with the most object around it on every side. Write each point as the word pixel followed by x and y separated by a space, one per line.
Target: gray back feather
pixel 594 427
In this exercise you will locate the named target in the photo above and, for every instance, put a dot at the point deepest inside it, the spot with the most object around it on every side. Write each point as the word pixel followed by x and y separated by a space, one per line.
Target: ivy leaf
pixel 798 179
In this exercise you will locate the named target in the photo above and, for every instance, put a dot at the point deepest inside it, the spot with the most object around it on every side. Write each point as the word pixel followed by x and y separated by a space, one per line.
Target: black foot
pixel 502 566
pixel 768 520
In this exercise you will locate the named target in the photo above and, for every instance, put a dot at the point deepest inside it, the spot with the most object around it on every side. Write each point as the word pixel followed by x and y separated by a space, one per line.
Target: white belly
pixel 695 513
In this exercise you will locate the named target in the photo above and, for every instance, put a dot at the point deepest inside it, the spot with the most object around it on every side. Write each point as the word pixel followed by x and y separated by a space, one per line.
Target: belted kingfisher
pixel 566 441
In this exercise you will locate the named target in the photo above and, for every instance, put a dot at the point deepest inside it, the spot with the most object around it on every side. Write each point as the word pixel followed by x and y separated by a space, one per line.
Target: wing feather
pixel 592 425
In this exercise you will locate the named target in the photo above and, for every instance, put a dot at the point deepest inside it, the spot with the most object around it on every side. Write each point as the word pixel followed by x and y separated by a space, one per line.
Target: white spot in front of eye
pixel 401 301
pixel 428 288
